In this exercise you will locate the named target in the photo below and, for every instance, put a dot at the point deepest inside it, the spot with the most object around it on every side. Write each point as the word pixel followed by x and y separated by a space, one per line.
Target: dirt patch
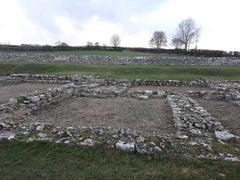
pixel 167 88
pixel 11 91
pixel 152 115
pixel 225 112
pixel 2 78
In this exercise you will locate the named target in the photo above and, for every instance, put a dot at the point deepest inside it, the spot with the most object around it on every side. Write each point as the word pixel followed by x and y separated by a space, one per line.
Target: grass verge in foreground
pixel 20 160
pixel 126 71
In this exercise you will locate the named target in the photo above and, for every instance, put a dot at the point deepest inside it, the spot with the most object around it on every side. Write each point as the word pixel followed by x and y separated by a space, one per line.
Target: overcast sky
pixel 78 21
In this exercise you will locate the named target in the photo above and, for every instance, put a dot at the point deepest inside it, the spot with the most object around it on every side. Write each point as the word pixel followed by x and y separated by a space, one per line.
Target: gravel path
pixel 115 112
pixel 225 112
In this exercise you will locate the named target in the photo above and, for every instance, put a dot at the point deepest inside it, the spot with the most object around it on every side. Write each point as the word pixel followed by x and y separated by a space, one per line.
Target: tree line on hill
pixel 186 34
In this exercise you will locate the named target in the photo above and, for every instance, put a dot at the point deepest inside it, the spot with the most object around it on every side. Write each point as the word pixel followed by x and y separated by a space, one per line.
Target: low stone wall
pixel 39 99
pixel 64 79
pixel 123 139
pixel 42 99
pixel 192 119
pixel 220 90
pixel 171 60
pixel 226 90
pixel 219 95
pixel 190 116
pixel 78 80
pixel 171 83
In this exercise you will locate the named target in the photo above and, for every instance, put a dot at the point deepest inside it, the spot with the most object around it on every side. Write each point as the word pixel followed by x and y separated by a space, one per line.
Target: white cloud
pixel 17 29
pixel 97 30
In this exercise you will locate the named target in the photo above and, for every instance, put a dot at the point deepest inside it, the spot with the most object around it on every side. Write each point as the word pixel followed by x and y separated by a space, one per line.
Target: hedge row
pixel 192 52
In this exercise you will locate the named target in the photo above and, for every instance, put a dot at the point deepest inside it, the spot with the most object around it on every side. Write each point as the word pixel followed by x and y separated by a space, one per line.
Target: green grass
pixel 108 53
pixel 126 71
pixel 37 160
pixel 227 148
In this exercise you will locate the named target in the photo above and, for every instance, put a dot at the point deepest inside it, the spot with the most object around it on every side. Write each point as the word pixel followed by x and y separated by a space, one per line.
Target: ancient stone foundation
pixel 195 127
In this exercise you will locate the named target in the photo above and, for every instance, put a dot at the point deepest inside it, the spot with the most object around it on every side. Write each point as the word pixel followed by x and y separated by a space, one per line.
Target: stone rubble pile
pixel 225 90
pixel 161 60
pixel 189 116
pixel 123 139
pixel 192 119
pixel 220 90
pixel 39 99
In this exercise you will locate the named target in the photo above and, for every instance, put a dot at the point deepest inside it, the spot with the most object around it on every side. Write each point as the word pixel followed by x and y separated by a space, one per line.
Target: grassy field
pixel 108 53
pixel 126 71
pixel 37 160
pixel 21 160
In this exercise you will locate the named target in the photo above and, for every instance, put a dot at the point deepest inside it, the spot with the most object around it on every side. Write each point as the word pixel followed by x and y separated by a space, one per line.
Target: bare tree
pixel 97 44
pixel 186 33
pixel 60 43
pixel 158 40
pixel 176 43
pixel 115 40
pixel 89 43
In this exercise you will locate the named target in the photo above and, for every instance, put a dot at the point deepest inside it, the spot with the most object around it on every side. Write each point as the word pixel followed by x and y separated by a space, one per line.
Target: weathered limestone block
pixel 125 146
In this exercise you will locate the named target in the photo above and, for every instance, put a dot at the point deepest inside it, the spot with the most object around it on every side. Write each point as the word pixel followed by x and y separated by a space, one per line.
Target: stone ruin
pixel 196 129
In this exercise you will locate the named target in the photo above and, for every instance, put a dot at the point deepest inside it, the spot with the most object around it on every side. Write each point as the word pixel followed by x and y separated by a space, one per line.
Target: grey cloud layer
pixel 44 12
